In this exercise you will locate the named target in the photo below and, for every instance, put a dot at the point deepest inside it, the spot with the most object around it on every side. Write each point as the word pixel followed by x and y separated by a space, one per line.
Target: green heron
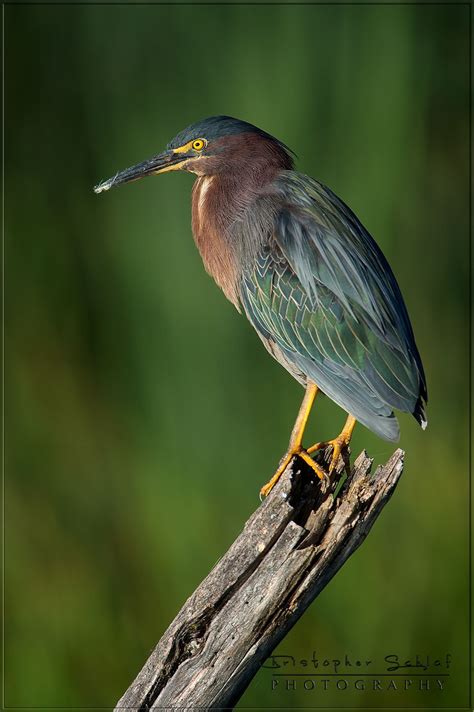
pixel 309 277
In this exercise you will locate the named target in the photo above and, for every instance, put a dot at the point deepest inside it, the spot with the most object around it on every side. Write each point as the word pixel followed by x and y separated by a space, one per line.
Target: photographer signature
pixel 393 662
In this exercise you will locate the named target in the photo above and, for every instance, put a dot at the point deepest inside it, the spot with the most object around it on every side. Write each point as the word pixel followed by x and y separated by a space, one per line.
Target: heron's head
pixel 219 144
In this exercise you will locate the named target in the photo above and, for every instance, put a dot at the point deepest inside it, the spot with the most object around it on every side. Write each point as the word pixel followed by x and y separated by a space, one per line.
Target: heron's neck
pixel 227 222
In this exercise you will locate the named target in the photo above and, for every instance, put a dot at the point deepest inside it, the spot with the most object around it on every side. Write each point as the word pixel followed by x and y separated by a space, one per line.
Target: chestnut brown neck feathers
pixel 228 199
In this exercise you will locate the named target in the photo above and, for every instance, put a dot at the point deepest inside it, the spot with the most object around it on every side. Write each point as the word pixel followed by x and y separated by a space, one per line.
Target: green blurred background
pixel 142 413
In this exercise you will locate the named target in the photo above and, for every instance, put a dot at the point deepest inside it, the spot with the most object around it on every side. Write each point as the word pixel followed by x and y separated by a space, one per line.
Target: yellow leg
pixel 338 444
pixel 295 447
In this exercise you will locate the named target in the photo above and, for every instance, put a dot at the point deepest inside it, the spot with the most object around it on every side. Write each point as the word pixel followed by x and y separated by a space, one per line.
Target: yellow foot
pixel 300 452
pixel 338 445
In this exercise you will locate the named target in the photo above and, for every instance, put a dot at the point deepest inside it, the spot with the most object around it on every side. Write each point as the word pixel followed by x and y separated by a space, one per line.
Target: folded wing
pixel 324 299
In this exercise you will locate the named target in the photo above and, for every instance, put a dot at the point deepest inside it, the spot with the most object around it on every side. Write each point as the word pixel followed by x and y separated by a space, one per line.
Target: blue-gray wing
pixel 325 302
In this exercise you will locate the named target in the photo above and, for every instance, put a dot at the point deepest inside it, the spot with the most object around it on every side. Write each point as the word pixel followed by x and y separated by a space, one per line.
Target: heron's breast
pixel 217 251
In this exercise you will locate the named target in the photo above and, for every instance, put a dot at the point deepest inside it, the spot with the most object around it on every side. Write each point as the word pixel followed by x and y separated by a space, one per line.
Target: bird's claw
pixel 285 461
pixel 339 448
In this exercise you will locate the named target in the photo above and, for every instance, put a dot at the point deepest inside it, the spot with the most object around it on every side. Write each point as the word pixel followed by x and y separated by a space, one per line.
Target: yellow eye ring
pixel 198 144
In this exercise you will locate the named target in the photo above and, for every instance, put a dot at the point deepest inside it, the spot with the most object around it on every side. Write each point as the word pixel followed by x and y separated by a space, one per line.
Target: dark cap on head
pixel 216 127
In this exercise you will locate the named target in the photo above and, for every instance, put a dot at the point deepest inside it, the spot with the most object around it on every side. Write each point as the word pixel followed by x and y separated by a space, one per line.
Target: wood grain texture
pixel 288 551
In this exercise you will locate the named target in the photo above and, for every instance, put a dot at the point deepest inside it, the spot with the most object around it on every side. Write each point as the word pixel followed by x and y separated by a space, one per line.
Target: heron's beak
pixel 166 161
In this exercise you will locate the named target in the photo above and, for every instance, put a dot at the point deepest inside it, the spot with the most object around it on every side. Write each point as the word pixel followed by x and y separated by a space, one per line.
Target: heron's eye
pixel 198 144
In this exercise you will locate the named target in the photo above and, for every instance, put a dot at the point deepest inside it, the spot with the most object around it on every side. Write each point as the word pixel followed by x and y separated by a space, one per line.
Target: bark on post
pixel 288 551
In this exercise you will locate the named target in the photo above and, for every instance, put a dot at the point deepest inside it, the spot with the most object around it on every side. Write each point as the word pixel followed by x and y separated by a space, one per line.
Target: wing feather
pixel 322 291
